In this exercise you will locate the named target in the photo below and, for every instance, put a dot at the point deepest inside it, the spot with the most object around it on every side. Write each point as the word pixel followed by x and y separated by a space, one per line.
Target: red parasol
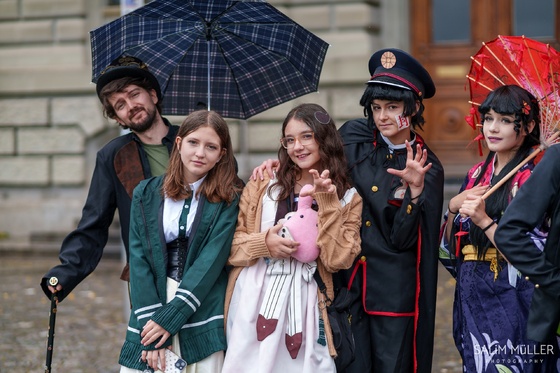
pixel 527 63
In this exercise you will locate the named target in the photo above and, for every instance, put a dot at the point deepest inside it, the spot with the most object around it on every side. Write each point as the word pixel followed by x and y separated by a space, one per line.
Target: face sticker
pixel 402 122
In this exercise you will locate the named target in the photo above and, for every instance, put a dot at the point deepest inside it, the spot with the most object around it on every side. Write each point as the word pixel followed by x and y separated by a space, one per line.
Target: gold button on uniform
pixel 363 258
pixel 537 286
pixel 527 278
pixel 374 189
pixel 368 223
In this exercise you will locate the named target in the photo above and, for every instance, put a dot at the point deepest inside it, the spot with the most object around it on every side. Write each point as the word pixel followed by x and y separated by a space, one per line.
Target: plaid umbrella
pixel 238 58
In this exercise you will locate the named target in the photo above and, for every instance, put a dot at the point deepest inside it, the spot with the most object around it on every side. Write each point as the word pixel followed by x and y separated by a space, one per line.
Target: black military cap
pixel 399 69
pixel 127 66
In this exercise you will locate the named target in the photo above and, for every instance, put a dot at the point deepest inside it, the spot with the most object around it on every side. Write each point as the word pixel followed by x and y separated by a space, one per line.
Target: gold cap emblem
pixel 388 60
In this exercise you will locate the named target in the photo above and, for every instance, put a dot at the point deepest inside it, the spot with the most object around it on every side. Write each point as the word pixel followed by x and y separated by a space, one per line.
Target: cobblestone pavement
pixel 90 323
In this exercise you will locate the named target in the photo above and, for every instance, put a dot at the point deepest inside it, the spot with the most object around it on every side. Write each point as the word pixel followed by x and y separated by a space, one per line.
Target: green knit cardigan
pixel 197 310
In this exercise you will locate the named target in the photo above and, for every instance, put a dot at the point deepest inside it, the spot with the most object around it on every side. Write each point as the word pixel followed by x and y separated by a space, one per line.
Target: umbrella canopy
pixel 529 64
pixel 525 62
pixel 238 58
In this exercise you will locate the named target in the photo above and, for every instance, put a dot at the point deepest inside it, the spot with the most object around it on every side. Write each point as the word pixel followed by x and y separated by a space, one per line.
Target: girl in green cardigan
pixel 182 225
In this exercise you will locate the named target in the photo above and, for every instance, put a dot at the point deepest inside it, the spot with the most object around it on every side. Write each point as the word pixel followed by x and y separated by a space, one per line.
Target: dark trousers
pixel 383 344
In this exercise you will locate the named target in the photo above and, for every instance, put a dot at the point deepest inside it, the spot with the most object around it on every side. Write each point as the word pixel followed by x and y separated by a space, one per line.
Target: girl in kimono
pixel 491 298
pixel 276 318
pixel 182 225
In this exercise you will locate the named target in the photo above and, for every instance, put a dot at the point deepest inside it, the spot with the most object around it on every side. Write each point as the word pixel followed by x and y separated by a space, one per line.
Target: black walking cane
pixel 53 281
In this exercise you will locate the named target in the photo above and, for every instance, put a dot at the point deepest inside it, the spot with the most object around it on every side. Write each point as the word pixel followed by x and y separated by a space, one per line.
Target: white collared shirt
pixel 393 147
pixel 172 213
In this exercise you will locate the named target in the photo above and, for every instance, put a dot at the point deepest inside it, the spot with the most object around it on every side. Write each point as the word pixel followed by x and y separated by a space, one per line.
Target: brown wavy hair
pixel 221 183
pixel 119 85
pixel 331 151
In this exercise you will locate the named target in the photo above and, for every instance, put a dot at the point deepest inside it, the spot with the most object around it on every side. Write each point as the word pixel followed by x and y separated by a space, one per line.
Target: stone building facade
pixel 51 122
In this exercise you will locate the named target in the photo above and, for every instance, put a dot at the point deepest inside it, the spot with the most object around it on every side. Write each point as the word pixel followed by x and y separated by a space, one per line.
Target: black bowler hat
pixel 399 69
pixel 127 66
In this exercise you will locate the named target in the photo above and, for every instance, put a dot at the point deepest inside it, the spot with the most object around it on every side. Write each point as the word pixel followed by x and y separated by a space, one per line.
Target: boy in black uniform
pixel 401 182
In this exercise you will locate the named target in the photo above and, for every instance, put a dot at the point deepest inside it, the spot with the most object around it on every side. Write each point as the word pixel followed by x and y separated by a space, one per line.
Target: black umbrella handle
pixel 53 281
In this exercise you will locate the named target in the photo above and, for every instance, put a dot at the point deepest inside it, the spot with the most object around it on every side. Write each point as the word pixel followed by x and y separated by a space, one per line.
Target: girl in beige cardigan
pixel 275 316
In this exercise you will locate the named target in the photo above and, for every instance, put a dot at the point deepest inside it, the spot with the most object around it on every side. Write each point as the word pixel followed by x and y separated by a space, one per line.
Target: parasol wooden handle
pixel 551 140
pixel 512 172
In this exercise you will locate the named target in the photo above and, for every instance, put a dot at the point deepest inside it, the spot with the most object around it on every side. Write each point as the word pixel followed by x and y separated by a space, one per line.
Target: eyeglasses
pixel 304 139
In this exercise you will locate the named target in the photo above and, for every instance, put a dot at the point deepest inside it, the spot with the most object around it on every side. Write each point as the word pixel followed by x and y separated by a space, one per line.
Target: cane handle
pixel 53 281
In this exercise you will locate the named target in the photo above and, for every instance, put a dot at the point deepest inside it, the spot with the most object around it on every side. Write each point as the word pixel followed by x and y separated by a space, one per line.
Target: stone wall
pixel 51 123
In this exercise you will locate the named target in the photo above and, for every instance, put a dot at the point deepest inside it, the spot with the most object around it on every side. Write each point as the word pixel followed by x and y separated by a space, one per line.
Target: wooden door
pixel 444 34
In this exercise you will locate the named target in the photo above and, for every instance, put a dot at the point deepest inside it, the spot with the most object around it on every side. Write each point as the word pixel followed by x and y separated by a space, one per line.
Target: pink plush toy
pixel 302 226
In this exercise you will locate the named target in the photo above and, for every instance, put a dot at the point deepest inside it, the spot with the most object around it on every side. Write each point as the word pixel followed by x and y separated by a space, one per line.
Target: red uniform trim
pixel 362 263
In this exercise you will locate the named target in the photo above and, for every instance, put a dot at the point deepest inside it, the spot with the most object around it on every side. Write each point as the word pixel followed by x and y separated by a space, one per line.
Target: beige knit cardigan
pixel 338 239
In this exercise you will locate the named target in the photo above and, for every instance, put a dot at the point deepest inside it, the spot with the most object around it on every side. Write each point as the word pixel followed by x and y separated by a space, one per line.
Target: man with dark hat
pixel 400 179
pixel 132 96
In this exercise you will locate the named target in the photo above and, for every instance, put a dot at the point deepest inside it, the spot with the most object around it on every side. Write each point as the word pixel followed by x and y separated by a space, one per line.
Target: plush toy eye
pixel 301 216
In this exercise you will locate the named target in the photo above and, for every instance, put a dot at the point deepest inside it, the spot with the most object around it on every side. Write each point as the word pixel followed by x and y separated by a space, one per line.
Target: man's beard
pixel 145 124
